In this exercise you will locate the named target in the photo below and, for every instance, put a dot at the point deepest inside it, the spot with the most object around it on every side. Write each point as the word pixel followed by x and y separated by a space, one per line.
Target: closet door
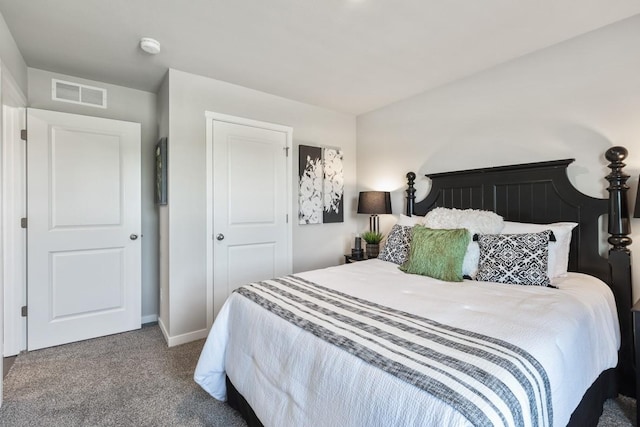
pixel 251 227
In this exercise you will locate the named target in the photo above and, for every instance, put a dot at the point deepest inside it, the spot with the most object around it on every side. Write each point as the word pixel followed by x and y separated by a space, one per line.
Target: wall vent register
pixel 78 94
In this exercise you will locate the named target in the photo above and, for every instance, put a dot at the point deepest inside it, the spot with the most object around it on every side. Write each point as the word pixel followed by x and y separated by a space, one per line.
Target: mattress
pixel 290 376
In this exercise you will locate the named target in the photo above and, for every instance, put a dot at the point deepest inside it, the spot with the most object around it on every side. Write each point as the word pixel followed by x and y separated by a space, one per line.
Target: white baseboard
pixel 181 339
pixel 163 330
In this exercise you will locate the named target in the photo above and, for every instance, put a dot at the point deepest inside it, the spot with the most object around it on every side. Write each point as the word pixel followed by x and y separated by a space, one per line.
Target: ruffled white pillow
pixel 474 220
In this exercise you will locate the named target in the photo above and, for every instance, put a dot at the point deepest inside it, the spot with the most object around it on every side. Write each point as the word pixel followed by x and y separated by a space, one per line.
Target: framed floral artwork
pixel 321 186
pixel 333 186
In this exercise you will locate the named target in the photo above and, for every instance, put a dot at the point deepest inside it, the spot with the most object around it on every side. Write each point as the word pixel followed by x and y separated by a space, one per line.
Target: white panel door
pixel 84 222
pixel 251 228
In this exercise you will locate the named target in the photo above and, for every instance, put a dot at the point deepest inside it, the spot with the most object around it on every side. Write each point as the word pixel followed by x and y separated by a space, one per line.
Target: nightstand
pixel 348 259
pixel 636 347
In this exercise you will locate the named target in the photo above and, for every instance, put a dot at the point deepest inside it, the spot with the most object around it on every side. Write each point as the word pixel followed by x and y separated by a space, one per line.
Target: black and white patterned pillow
pixel 519 259
pixel 396 248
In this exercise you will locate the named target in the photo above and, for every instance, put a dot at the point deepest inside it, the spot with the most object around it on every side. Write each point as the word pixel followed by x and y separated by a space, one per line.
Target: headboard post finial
pixel 619 228
pixel 411 192
pixel 620 264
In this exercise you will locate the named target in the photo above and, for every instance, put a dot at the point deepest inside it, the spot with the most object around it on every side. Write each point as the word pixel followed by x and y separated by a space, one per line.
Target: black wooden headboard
pixel 542 193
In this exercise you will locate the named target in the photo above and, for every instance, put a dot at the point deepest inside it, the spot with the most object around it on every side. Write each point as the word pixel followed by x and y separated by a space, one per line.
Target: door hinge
pixel 287 218
pixel 23 134
pixel 286 151
pixel 23 222
pixel 23 311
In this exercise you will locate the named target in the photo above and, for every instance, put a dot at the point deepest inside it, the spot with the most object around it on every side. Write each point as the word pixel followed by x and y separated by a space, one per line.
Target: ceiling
pixel 347 55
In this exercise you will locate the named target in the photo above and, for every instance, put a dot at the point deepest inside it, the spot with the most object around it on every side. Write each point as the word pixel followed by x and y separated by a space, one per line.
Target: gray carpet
pixel 133 379
pixel 129 379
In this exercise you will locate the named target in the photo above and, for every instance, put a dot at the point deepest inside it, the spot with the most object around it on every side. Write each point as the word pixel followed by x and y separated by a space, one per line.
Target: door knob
pixel 133 236
pixel 220 236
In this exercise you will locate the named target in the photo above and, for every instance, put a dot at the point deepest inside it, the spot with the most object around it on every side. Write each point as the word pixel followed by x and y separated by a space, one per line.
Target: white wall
pixel 572 100
pixel 129 105
pixel 314 246
pixel 13 87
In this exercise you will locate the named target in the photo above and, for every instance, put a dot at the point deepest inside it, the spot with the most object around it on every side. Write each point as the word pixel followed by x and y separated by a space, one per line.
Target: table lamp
pixel 374 203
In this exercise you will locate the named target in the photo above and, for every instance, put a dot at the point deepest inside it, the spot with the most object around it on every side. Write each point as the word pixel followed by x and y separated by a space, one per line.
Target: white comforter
pixel 291 378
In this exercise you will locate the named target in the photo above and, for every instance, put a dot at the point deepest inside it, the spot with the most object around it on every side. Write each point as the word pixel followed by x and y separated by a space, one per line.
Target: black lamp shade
pixel 374 202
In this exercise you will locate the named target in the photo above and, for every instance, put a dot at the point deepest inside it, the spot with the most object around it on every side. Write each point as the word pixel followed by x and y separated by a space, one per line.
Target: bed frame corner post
pixel 411 192
pixel 620 264
pixel 619 227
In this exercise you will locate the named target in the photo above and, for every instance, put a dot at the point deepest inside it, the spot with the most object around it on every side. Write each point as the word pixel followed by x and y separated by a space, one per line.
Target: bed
pixel 368 344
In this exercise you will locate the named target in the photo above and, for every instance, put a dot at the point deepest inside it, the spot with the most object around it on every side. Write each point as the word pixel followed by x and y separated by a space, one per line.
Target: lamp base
pixel 374 223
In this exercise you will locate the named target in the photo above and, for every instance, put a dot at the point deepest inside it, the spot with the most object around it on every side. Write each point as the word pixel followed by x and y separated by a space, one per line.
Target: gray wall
pixel 314 246
pixel 129 105
pixel 11 57
pixel 163 219
pixel 572 100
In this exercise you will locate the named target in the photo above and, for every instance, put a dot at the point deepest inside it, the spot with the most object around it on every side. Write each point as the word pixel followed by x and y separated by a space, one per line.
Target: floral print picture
pixel 321 191
pixel 333 185
pixel 310 193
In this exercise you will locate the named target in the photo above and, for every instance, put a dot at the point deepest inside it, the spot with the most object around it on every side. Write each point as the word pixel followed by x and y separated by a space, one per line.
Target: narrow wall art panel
pixel 161 172
pixel 321 186
pixel 310 190
pixel 333 185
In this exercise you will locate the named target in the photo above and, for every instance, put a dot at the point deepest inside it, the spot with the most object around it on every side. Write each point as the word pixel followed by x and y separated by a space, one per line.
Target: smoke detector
pixel 150 45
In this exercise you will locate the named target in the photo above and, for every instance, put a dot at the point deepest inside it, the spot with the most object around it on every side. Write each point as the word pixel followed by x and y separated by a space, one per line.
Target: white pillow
pixel 409 221
pixel 558 250
pixel 476 221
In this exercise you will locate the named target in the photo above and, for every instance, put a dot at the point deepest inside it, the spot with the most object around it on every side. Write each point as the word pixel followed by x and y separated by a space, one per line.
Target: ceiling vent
pixel 78 94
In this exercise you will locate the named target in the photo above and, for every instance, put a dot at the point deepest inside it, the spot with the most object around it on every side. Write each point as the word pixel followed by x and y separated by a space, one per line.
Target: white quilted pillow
pixel 476 221
pixel 409 221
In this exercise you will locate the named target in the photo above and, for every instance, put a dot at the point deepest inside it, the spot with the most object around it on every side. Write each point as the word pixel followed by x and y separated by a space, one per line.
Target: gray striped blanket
pixel 489 381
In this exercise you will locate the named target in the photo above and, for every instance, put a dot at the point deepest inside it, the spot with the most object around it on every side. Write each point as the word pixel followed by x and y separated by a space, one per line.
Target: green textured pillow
pixel 437 253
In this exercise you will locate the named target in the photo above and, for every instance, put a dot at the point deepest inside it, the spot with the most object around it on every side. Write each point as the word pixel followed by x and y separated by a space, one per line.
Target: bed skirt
pixel 590 408
pixel 586 414
pixel 239 403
